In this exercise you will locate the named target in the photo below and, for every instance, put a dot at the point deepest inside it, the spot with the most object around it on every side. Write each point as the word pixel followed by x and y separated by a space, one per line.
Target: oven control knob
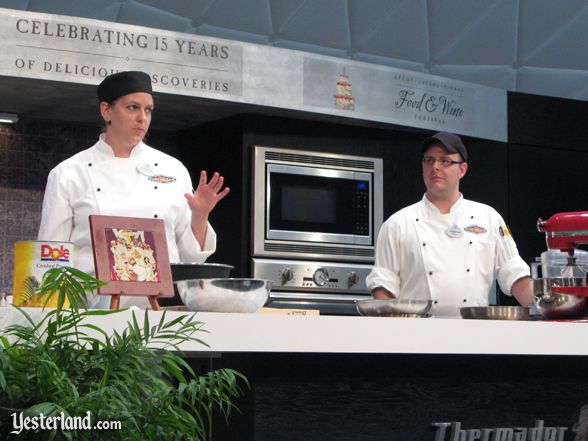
pixel 352 279
pixel 320 277
pixel 287 275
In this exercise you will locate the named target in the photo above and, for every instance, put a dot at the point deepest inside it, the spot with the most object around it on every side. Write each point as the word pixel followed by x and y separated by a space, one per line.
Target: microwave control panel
pixel 296 275
pixel 362 204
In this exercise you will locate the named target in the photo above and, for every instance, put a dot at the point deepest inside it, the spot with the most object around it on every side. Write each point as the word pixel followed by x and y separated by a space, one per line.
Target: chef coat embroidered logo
pixel 145 170
pixel 504 231
pixel 161 179
pixel 454 231
pixel 477 229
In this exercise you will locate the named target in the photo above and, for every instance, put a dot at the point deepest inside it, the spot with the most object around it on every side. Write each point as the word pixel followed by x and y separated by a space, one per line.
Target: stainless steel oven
pixel 331 287
pixel 316 217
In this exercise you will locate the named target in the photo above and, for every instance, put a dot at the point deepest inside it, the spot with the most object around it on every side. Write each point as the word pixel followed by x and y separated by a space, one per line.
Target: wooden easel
pixel 115 302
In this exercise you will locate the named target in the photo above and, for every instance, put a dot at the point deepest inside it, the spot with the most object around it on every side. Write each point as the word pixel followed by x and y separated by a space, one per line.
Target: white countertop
pixel 343 334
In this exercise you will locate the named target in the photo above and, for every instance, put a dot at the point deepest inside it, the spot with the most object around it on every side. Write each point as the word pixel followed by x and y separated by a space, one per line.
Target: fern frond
pixel 30 285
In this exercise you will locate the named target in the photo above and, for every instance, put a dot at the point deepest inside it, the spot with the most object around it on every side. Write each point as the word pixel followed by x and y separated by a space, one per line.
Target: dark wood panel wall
pixel 548 163
pixel 397 397
pixel 539 172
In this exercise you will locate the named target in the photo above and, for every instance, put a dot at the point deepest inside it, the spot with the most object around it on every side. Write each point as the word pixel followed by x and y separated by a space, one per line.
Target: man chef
pixel 447 248
pixel 122 176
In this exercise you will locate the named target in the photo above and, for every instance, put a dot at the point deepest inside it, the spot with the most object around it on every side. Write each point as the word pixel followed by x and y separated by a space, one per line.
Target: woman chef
pixel 122 176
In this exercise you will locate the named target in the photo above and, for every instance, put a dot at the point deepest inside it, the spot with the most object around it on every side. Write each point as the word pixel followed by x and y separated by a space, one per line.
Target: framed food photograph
pixel 131 255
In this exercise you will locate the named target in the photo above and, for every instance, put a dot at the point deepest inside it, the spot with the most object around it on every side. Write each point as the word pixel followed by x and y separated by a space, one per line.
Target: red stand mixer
pixel 565 232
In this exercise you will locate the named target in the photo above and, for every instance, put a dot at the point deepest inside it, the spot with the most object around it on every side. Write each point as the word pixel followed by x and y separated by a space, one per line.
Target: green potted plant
pixel 66 371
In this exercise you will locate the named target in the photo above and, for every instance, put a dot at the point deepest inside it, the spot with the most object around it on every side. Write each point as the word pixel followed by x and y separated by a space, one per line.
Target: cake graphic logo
pixel 344 98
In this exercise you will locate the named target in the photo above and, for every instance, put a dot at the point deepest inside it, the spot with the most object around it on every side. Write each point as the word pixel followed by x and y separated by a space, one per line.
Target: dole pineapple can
pixel 31 260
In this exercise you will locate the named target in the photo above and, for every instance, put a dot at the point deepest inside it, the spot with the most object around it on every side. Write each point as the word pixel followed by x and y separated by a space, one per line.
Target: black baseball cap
pixel 123 83
pixel 451 142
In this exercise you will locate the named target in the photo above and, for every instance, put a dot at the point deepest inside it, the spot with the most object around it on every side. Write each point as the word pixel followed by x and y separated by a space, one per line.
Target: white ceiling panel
pixel 323 50
pixel 282 11
pixel 109 13
pixel 543 20
pixel 532 46
pixel 398 33
pixel 85 8
pixel 230 34
pixel 555 82
pixel 365 16
pixel 320 23
pixel 394 62
pixel 253 16
pixel 500 77
pixel 15 4
pixel 191 9
pixel 565 48
pixel 136 13
pixel 486 36
pixel 582 94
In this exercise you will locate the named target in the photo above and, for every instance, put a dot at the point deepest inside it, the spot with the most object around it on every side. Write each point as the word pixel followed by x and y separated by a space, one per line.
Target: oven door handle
pixel 305 296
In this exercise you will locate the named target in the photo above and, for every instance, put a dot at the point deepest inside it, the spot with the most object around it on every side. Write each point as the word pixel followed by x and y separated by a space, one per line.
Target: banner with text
pixel 71 49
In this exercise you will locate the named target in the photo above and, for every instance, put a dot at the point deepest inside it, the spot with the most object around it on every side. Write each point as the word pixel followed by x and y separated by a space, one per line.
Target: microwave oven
pixel 315 205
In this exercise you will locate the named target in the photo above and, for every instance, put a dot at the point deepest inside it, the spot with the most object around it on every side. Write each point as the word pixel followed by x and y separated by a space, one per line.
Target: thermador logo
pixel 454 432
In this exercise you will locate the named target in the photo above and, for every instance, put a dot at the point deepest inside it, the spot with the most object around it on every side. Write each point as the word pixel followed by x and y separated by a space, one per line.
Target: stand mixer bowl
pixel 557 306
pixel 564 232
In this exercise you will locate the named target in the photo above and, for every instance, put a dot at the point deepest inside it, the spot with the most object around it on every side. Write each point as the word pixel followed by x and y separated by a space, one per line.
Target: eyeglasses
pixel 443 162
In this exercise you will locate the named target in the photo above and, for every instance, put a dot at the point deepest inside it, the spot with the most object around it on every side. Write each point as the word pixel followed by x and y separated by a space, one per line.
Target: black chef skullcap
pixel 123 83
pixel 451 142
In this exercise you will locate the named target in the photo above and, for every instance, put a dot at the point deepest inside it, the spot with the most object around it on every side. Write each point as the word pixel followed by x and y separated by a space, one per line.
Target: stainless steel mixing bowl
pixel 224 295
pixel 393 307
pixel 556 306
pixel 498 312
pixel 186 271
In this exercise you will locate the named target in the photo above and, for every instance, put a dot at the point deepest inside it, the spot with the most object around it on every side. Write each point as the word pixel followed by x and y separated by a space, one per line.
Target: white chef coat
pixel 94 181
pixel 452 259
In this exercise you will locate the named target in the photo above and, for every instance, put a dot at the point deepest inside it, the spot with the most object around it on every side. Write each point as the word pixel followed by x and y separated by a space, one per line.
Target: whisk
pixel 572 270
